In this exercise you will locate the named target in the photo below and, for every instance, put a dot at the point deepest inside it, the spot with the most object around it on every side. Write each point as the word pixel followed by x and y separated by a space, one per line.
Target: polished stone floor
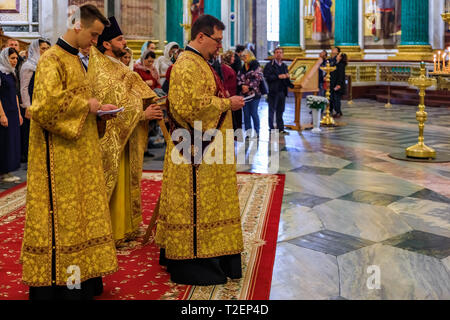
pixel 356 224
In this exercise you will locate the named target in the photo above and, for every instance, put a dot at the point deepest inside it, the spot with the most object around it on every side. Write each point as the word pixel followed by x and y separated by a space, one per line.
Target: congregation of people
pixel 239 70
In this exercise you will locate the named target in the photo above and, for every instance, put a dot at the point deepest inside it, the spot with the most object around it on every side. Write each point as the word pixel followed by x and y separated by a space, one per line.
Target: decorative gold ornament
pixel 309 19
pixel 413 53
pixel 293 52
pixel 420 150
pixel 446 17
pixel 327 119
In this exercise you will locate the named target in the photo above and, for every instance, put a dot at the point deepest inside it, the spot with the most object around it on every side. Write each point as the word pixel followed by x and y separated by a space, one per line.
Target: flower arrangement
pixel 316 102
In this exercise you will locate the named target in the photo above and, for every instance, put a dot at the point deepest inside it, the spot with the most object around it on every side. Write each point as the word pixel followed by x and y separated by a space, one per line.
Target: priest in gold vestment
pixel 67 236
pixel 199 225
pixel 125 139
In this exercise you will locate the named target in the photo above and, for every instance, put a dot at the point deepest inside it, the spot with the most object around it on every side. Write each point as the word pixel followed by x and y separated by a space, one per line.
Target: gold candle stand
pixel 327 119
pixel 420 150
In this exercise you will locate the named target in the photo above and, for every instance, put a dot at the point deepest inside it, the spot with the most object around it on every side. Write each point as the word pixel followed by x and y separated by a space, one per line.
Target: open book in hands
pixel 101 113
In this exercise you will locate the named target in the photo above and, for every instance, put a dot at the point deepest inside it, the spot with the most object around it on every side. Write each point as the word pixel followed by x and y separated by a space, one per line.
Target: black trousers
pixel 335 102
pixel 24 136
pixel 277 103
pixel 237 119
pixel 89 289
pixel 202 272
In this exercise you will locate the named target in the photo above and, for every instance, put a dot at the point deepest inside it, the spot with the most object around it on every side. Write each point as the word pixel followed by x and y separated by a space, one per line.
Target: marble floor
pixel 356 224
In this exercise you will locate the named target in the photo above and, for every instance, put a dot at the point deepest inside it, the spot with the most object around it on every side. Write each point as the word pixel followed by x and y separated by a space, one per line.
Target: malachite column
pixel 290 28
pixel 346 23
pixel 174 19
pixel 415 23
pixel 214 8
pixel 415 44
pixel 346 27
pixel 233 23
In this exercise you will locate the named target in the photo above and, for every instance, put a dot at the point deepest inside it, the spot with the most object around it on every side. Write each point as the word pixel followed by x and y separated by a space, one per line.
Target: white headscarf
pixel 5 65
pixel 34 54
pixel 164 62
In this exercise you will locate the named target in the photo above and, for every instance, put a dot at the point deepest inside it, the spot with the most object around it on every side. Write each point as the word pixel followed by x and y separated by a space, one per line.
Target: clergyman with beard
pixel 125 137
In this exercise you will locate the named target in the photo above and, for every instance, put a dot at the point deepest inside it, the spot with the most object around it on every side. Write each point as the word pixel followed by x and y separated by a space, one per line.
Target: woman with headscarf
pixel 10 118
pixel 249 81
pixel 164 62
pixel 146 69
pixel 27 72
pixel 147 46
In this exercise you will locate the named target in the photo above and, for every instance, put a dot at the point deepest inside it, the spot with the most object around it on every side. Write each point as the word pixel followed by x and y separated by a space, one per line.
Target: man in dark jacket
pixel 338 85
pixel 277 77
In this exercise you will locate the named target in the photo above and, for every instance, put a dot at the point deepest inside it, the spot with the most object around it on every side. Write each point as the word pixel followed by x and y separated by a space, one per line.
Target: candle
pixel 439 61
pixel 443 62
pixel 434 63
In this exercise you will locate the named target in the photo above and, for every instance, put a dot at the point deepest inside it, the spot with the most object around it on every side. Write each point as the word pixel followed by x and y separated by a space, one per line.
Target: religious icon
pixel 197 9
pixel 322 27
pixel 320 33
pixel 298 73
pixel 384 22
pixel 9 6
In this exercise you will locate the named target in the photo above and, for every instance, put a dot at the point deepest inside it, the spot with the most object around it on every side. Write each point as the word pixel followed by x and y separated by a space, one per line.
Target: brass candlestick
pixel 446 17
pixel 309 19
pixel 369 16
pixel 327 119
pixel 420 150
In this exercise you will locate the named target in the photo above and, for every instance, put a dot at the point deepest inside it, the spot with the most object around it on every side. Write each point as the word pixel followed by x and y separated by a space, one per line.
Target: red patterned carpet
pixel 140 277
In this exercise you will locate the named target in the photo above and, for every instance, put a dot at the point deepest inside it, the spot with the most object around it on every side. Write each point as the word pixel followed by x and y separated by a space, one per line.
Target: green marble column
pixel 346 28
pixel 233 24
pixel 290 23
pixel 346 23
pixel 213 7
pixel 174 19
pixel 290 28
pixel 415 23
pixel 415 44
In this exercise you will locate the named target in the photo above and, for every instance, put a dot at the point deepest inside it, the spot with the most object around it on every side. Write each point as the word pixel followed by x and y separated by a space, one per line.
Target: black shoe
pixel 148 154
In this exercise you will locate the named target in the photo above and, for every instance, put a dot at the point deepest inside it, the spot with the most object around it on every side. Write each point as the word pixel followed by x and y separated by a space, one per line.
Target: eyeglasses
pixel 219 41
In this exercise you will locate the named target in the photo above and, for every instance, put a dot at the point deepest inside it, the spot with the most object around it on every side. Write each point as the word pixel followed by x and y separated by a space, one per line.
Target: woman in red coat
pixel 230 84
pixel 147 71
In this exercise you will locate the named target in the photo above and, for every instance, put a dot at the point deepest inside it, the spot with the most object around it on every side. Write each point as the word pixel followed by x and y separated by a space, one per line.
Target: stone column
pixel 54 19
pixel 174 19
pixel 290 28
pixel 415 43
pixel 346 30
pixel 261 29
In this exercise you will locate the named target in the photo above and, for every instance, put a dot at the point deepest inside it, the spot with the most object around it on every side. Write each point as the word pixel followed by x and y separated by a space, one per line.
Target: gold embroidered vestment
pixel 61 123
pixel 199 208
pixel 125 139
